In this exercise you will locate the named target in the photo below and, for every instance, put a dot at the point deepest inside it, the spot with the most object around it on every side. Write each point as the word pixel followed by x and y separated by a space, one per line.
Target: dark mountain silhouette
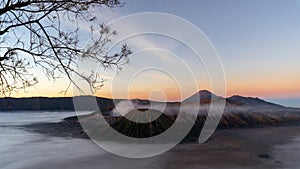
pixel 36 103
pixel 48 104
pixel 205 96
pixel 105 104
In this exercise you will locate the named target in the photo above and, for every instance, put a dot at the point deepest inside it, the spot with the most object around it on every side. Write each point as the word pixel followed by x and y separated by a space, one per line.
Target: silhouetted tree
pixel 34 28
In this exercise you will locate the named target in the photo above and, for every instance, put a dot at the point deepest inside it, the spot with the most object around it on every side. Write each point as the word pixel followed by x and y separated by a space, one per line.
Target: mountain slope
pixel 250 101
pixel 203 96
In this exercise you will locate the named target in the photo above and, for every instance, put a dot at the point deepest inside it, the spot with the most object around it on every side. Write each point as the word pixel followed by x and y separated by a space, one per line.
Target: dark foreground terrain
pixel 249 147
pixel 239 113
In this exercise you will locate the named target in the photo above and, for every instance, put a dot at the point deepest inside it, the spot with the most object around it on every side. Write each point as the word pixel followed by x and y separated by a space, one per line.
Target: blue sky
pixel 258 41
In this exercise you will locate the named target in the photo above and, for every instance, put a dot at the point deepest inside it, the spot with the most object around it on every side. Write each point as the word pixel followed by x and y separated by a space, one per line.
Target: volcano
pixel 142 123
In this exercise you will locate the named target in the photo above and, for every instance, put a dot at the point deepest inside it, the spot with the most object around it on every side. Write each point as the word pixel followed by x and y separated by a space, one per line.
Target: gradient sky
pixel 258 43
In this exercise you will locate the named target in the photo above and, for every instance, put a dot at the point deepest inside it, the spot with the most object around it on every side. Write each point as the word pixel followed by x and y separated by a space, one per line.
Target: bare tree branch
pixel 34 28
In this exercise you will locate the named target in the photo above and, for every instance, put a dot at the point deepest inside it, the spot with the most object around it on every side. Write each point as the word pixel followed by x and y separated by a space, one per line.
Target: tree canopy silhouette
pixel 33 33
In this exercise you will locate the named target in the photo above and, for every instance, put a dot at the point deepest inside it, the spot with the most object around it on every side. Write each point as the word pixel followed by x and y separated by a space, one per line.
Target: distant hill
pixel 47 104
pixel 36 103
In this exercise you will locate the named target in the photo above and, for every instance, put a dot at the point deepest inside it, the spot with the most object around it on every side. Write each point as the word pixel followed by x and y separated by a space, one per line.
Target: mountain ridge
pixel 66 103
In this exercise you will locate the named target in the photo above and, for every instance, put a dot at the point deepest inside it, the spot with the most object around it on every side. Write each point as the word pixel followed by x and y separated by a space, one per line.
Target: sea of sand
pixel 272 147
pixel 267 147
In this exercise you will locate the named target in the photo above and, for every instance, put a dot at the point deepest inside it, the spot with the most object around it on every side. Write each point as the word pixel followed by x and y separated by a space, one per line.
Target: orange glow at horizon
pixel 265 88
pixel 242 90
